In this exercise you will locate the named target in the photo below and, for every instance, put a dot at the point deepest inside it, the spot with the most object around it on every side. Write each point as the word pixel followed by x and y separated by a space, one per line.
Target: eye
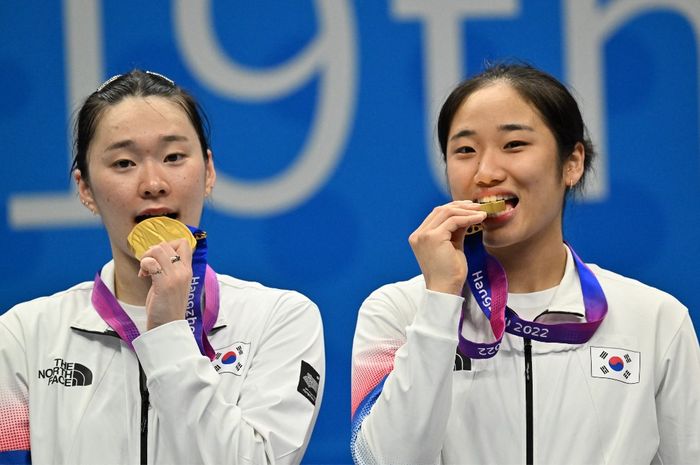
pixel 173 157
pixel 123 164
pixel 465 149
pixel 514 144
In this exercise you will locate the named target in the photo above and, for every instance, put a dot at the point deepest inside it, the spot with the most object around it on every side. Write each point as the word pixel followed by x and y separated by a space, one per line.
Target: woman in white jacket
pixel 508 348
pixel 159 359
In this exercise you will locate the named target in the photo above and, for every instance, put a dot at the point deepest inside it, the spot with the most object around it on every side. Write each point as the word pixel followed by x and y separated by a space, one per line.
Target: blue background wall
pixel 326 170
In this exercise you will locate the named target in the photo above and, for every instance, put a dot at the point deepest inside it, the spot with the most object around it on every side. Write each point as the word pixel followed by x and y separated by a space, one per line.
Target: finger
pixel 179 255
pixel 440 210
pixel 166 256
pixel 460 222
pixel 182 248
pixel 452 230
pixel 440 214
pixel 171 253
pixel 149 267
pixel 458 226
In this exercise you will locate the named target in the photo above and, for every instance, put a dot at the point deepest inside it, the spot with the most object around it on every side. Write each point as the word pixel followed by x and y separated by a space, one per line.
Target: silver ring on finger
pixel 175 258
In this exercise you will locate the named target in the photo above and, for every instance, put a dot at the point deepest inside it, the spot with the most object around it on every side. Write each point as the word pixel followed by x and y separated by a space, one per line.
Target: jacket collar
pixel 568 298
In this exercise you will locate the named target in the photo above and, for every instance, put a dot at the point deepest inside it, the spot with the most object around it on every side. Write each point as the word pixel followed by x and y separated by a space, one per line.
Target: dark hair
pixel 551 98
pixel 135 83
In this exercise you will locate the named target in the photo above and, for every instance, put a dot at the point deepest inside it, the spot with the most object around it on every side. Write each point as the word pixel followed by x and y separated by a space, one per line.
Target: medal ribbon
pixel 488 284
pixel 203 278
pixel 193 312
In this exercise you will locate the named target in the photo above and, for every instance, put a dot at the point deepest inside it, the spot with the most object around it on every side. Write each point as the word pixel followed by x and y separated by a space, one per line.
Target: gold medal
pixel 474 228
pixel 490 208
pixel 496 206
pixel 156 230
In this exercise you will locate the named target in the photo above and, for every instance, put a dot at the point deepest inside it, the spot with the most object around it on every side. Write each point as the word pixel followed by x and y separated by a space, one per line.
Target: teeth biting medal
pixel 156 230
pixel 489 208
pixel 496 206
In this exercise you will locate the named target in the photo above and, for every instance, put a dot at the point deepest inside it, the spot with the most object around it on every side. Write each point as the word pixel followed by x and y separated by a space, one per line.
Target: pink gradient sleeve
pixel 370 367
pixel 14 419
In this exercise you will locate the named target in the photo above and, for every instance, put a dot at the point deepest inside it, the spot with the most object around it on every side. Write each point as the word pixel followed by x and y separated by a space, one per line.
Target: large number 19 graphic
pixel 330 56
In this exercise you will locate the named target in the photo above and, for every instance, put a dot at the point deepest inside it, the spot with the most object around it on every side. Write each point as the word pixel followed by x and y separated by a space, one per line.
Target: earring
pixel 87 205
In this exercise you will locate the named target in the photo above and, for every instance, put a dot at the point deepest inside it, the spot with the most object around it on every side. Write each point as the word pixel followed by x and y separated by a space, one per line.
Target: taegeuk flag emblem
pixel 615 363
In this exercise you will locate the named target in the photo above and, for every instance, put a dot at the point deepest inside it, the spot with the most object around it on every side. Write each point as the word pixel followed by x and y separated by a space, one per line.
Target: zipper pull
pixel 528 358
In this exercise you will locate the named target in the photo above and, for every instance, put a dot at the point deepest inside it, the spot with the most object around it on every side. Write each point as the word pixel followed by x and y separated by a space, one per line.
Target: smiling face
pixel 145 159
pixel 499 147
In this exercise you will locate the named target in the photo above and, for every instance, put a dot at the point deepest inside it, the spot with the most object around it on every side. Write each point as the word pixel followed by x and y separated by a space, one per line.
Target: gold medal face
pixel 156 230
pixel 490 208
pixel 496 206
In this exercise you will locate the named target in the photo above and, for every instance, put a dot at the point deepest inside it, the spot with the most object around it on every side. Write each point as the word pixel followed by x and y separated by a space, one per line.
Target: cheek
pixel 191 185
pixel 110 195
pixel 539 176
pixel 460 183
pixel 200 181
pixel 548 196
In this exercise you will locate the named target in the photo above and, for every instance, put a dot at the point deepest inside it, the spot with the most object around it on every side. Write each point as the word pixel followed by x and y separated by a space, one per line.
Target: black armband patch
pixel 308 382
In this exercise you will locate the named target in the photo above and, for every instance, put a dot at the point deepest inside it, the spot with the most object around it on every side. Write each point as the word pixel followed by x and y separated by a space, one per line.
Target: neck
pixel 532 266
pixel 128 287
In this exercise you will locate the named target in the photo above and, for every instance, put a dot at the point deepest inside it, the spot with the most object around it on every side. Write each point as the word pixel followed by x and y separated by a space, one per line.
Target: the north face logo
pixel 67 374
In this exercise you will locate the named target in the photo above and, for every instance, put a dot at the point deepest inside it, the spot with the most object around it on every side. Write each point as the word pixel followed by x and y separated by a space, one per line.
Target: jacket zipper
pixel 144 416
pixel 528 403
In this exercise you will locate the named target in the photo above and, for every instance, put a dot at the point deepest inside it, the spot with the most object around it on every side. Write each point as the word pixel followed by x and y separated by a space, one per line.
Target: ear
pixel 210 174
pixel 574 166
pixel 85 192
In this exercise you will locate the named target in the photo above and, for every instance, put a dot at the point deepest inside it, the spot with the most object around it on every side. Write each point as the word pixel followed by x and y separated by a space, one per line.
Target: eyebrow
pixel 515 127
pixel 463 133
pixel 130 143
pixel 503 128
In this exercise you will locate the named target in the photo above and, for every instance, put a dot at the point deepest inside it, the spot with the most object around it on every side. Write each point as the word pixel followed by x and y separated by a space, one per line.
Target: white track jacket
pixel 631 395
pixel 72 392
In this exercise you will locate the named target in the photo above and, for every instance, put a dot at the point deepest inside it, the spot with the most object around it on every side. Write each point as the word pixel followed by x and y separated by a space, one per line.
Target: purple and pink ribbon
pixel 201 322
pixel 488 284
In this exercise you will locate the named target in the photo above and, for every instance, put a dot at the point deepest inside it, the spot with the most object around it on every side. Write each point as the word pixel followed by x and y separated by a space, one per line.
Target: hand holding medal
pixel 163 245
pixel 438 244
pixel 175 259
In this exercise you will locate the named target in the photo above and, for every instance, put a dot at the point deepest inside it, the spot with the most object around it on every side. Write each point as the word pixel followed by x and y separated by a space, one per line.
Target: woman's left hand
pixel 169 266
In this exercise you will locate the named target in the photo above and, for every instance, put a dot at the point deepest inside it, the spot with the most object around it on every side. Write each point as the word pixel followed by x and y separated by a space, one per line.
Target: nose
pixel 152 182
pixel 489 171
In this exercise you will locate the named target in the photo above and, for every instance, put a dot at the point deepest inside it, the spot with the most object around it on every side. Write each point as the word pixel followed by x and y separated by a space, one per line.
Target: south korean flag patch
pixel 615 363
pixel 232 358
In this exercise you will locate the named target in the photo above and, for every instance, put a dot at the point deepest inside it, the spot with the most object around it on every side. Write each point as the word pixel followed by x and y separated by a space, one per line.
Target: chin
pixel 498 238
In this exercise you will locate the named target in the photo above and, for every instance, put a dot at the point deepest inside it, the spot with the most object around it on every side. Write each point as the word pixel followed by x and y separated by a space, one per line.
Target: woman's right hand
pixel 438 245
pixel 169 267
